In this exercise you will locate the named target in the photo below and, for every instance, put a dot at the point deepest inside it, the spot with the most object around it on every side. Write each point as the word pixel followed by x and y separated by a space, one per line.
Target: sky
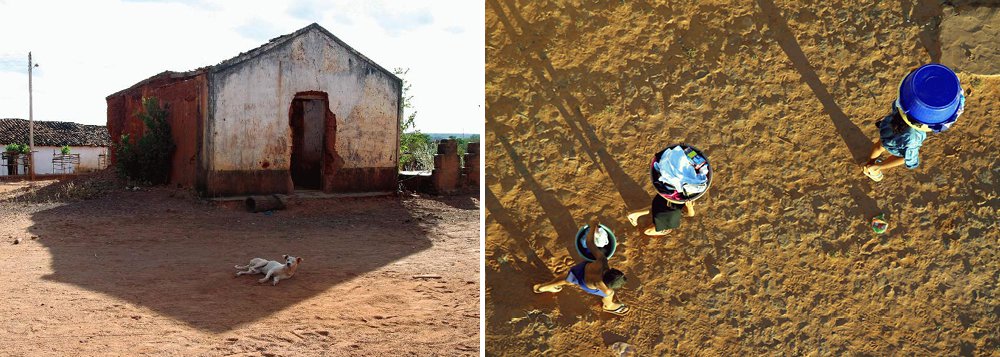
pixel 87 50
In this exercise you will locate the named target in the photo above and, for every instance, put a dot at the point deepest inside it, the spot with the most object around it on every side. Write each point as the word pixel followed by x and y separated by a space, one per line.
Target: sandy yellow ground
pixel 782 96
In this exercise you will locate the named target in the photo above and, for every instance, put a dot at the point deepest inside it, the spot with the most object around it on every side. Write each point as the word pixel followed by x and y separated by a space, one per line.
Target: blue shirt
pixel 905 144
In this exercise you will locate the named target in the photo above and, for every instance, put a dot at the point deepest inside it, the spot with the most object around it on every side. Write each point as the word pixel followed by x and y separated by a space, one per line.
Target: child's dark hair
pixel 613 278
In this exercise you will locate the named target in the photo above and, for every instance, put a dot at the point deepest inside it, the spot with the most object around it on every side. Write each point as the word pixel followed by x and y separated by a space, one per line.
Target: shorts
pixel 665 215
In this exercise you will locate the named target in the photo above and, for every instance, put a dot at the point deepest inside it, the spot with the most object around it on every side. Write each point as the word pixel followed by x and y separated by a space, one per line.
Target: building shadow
pixel 176 256
pixel 856 141
pixel 546 79
pixel 464 200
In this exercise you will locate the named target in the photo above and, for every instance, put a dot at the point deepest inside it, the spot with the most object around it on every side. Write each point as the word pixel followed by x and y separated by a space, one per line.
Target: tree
pixel 408 122
pixel 462 142
pixel 415 148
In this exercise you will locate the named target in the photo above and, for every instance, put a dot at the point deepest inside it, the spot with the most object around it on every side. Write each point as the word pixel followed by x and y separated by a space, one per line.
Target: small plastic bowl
pixel 664 190
pixel 581 238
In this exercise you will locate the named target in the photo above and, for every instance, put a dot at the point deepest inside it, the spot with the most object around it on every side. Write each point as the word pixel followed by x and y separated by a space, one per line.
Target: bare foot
pixel 634 217
pixel 542 288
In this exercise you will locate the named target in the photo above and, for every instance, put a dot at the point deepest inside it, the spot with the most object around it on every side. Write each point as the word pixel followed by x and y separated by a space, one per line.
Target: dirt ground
pixel 150 272
pixel 782 96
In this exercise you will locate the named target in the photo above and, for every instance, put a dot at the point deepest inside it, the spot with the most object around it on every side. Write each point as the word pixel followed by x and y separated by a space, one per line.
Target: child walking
pixel 930 100
pixel 595 278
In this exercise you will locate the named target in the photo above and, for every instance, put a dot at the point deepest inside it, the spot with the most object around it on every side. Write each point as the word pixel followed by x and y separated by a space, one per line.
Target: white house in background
pixel 91 142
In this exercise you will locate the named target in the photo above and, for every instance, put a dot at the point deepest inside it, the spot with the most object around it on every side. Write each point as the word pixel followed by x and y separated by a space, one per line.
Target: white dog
pixel 271 269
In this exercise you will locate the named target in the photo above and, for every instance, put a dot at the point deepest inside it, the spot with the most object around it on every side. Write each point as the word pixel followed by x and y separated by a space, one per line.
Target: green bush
pixel 148 159
pixel 417 151
pixel 463 142
pixel 64 150
pixel 126 162
pixel 18 148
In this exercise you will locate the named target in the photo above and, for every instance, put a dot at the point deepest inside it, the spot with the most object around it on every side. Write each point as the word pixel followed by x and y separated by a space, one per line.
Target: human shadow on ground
pixel 547 77
pixel 857 142
pixel 855 139
pixel 499 213
pixel 866 205
pixel 534 271
pixel 926 14
pixel 177 256
pixel 557 214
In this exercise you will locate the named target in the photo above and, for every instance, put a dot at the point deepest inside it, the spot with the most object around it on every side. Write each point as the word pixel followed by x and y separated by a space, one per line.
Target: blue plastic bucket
pixel 931 95
pixel 581 242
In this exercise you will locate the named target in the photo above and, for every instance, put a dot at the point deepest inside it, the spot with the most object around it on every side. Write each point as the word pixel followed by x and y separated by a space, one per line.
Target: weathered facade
pixel 303 111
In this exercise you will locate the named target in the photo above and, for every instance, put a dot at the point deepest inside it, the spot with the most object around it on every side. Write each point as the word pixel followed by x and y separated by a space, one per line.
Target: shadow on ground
pixel 854 138
pixel 176 256
pixel 569 108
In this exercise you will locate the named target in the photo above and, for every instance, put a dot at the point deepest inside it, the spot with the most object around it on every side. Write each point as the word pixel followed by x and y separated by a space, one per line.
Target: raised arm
pixel 592 244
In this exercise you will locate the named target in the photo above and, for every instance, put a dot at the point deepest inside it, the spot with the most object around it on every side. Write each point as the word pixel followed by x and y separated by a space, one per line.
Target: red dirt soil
pixel 151 273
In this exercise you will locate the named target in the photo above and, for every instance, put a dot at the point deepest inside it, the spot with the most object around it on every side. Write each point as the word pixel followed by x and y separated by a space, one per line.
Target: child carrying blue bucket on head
pixel 930 99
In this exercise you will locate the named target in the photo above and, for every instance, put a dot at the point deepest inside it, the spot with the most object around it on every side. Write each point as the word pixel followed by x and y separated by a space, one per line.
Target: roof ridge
pixel 277 41
pixel 257 51
pixel 53 133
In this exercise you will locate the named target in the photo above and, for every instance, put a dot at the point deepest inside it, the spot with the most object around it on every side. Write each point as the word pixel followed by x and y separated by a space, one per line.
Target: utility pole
pixel 31 126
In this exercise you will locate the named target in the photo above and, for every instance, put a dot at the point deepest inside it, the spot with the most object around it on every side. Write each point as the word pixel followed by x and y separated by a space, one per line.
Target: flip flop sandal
pixel 875 175
pixel 620 311
pixel 556 290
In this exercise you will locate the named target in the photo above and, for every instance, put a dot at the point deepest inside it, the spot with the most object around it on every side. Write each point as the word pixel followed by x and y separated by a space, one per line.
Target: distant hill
pixel 439 136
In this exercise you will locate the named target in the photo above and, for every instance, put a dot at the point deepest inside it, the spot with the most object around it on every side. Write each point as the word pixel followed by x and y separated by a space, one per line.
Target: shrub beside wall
pixel 147 160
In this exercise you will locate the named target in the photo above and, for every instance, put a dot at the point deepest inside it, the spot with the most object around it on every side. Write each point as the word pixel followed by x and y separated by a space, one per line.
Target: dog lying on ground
pixel 271 269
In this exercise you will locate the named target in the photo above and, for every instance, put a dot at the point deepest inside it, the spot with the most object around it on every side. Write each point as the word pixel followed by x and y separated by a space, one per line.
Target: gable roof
pixel 280 40
pixel 171 76
pixel 53 133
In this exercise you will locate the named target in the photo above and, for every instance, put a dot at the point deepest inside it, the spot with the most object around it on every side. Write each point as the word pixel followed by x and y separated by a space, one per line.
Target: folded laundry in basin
pixel 678 170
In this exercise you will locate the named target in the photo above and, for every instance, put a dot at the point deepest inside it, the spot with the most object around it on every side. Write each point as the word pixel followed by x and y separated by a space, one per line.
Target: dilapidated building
pixel 303 111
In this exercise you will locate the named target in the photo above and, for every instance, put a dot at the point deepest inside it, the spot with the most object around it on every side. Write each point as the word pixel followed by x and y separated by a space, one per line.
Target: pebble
pixel 622 349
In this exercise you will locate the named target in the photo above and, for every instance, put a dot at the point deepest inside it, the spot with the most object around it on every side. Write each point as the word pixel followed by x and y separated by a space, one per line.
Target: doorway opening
pixel 307 118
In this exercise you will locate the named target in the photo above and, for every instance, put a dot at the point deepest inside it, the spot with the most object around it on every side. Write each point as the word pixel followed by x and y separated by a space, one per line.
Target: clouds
pixel 259 29
pixel 94 48
pixel 392 18
pixel 12 63
pixel 197 3
pixel 396 22
pixel 309 10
